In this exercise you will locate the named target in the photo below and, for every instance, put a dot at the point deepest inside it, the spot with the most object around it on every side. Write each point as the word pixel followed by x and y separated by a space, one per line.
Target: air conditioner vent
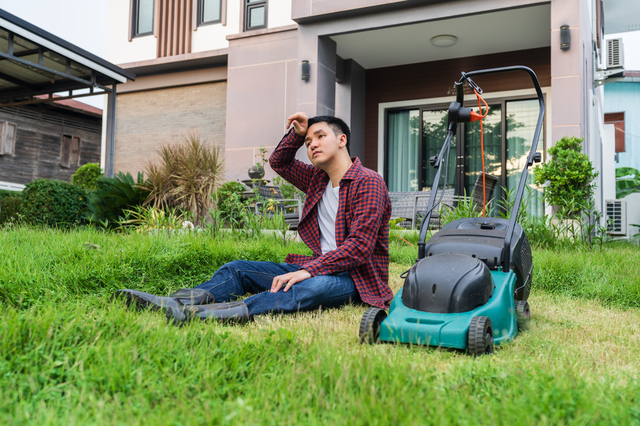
pixel 615 57
pixel 616 217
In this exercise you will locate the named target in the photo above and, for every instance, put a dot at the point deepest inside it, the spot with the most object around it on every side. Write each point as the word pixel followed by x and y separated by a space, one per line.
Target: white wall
pixel 608 170
pixel 119 49
pixel 279 14
pixel 633 213
pixel 213 37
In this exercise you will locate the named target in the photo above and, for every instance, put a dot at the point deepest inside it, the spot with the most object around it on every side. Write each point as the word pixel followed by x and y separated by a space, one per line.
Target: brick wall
pixel 146 120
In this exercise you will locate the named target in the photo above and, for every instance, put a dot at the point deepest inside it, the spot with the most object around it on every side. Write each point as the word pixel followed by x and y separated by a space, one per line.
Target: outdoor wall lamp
pixel 305 70
pixel 565 37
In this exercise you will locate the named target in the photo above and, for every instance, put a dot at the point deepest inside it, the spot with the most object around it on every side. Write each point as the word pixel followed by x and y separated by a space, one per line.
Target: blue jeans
pixel 241 276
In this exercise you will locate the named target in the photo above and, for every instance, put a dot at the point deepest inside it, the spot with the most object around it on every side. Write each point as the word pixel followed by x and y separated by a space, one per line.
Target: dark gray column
pixel 111 131
pixel 326 69
pixel 350 102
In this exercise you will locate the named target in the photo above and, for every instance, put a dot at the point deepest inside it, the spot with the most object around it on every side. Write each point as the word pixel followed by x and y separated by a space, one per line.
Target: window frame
pixel 248 6
pixel 200 22
pixel 72 160
pixel 135 14
pixel 3 135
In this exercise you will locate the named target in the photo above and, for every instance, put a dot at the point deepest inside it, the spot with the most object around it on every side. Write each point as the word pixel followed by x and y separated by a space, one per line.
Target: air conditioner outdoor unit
pixel 616 217
pixel 615 54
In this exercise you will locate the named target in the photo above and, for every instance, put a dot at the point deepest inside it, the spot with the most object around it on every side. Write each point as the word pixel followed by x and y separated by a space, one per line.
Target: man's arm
pixel 369 208
pixel 283 159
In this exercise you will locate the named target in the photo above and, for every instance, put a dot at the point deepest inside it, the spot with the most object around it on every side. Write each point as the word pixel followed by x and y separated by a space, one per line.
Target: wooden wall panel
pixel 435 79
pixel 175 25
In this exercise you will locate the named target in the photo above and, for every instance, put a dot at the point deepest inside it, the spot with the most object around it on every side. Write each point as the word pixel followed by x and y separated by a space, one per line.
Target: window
pixel 209 12
pixel 617 119
pixel 255 14
pixel 415 134
pixel 7 138
pixel 70 151
pixel 141 17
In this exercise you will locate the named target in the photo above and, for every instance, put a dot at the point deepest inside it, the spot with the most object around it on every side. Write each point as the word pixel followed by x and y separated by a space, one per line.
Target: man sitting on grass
pixel 345 222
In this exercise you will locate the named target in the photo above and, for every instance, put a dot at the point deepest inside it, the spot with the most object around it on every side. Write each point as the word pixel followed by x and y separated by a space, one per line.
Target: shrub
pixel 570 177
pixel 53 203
pixel 114 195
pixel 186 177
pixel 87 176
pixel 10 202
pixel 230 203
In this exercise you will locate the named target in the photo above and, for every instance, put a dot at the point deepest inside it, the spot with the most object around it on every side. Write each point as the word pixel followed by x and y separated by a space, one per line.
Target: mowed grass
pixel 68 355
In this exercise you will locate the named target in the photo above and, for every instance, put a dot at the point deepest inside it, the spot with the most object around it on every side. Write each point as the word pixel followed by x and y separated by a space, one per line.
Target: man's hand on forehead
pixel 300 123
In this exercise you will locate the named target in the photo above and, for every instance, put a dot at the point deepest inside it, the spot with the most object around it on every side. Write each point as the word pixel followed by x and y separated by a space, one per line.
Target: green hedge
pixel 10 202
pixel 53 203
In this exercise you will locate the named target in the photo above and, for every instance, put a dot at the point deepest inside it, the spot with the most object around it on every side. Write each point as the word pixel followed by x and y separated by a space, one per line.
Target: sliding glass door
pixel 492 126
pixel 434 132
pixel 403 159
pixel 521 125
pixel 414 135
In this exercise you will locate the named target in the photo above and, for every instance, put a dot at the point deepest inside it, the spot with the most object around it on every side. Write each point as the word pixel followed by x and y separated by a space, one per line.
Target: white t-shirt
pixel 327 211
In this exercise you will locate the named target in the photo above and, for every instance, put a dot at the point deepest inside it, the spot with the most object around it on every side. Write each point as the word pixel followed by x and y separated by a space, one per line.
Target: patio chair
pixel 412 205
pixel 290 207
pixel 476 196
pixel 409 205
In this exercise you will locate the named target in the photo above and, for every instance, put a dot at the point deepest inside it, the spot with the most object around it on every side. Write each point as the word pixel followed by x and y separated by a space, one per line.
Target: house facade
pixel 44 132
pixel 622 109
pixel 47 141
pixel 234 70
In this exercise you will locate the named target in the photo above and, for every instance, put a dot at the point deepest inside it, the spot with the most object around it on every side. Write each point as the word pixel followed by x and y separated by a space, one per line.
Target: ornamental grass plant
pixel 186 176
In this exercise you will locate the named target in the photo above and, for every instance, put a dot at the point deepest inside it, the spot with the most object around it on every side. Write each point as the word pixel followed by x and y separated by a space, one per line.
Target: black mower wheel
pixel 370 325
pixel 523 315
pixel 480 338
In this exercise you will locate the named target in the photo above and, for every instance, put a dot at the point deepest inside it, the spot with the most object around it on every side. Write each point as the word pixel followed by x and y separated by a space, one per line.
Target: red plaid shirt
pixel 362 222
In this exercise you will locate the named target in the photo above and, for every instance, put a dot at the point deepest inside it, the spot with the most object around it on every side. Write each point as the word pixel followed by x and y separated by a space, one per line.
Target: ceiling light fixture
pixel 444 40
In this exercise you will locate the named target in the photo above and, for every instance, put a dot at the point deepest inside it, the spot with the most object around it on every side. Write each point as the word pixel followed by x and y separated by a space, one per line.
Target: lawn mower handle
pixel 530 159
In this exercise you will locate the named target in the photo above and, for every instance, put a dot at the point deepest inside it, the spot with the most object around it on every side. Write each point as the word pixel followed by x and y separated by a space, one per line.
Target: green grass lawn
pixel 68 355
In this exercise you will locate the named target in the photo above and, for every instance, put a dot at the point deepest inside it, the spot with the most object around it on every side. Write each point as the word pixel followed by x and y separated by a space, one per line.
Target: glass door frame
pixel 460 148
pixel 502 101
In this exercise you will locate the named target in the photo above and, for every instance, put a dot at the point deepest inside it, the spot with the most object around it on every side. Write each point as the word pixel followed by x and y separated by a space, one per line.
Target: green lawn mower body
pixel 450 330
pixel 468 289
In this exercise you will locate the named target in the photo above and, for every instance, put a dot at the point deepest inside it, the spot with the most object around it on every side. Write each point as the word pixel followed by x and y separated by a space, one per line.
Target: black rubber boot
pixel 226 312
pixel 182 297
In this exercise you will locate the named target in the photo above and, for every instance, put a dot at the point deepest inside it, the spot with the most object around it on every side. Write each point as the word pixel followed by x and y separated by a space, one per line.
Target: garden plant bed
pixel 68 355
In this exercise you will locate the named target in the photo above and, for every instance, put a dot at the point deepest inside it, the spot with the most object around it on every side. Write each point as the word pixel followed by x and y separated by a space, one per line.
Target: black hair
pixel 338 126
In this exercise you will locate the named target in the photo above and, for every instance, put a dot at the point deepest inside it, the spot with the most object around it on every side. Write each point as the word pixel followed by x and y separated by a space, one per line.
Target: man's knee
pixel 230 267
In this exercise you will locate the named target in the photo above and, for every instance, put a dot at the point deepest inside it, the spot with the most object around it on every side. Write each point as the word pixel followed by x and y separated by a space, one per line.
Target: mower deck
pixel 405 325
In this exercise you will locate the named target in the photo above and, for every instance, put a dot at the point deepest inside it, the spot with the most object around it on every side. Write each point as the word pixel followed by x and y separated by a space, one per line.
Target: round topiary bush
pixel 568 177
pixel 53 203
pixel 87 176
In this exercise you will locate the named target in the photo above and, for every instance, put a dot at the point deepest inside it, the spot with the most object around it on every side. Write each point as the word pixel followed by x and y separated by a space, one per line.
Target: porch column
pixel 350 102
pixel 568 103
pixel 111 132
pixel 317 96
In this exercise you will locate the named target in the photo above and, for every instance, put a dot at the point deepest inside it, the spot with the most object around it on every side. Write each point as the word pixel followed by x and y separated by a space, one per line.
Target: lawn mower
pixel 469 287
